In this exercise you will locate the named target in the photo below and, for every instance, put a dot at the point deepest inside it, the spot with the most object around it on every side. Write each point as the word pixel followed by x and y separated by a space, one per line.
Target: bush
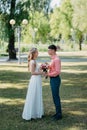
pixel 24 49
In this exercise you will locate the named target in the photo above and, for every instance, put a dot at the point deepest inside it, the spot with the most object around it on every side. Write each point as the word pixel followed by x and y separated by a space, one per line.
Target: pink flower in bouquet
pixel 44 67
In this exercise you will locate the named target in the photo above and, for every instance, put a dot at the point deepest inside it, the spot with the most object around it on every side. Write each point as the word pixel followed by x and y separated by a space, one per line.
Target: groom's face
pixel 50 51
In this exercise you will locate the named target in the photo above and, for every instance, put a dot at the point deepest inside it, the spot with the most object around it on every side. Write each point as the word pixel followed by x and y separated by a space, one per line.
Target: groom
pixel 55 80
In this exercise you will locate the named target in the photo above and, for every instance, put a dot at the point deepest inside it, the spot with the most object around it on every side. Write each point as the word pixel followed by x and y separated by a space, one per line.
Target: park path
pixel 43 57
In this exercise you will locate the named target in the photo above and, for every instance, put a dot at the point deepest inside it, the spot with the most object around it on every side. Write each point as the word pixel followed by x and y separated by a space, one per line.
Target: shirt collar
pixel 53 57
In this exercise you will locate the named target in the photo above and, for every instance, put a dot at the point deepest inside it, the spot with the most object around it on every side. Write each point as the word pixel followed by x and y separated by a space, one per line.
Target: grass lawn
pixel 14 80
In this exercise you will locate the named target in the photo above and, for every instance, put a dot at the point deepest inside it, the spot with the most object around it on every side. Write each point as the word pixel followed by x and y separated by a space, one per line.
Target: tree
pixel 38 28
pixel 61 20
pixel 66 18
pixel 18 10
pixel 55 23
pixel 2 32
pixel 12 10
pixel 80 19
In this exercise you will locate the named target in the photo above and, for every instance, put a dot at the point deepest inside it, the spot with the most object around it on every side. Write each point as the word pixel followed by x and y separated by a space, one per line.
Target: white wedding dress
pixel 33 107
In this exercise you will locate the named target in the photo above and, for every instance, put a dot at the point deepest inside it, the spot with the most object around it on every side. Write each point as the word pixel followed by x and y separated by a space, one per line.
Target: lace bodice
pixel 37 66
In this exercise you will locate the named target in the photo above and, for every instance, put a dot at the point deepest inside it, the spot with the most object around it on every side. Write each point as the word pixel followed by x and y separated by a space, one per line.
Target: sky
pixel 55 3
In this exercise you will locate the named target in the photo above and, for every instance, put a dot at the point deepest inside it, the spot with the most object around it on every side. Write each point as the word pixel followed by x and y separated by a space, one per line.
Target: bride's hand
pixel 43 73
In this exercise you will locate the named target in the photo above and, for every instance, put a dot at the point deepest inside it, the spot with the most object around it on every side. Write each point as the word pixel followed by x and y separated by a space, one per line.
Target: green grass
pixel 14 80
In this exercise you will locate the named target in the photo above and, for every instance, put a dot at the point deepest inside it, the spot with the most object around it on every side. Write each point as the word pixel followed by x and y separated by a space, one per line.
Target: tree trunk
pixel 80 45
pixel 11 36
pixel 11 46
pixel 80 42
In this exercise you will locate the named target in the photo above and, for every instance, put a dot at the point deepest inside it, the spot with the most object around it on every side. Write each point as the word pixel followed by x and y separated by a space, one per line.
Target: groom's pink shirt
pixel 55 66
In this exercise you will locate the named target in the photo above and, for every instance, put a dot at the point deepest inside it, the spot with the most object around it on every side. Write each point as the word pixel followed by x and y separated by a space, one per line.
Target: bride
pixel 33 107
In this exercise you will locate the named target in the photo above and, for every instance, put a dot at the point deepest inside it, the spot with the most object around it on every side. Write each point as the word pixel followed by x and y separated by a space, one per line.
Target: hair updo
pixel 31 55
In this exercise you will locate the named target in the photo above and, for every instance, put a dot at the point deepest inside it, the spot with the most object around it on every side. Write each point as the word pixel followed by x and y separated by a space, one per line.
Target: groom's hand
pixel 46 74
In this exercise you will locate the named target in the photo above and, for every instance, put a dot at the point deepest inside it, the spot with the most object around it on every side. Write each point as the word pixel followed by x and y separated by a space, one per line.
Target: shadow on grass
pixel 12 118
pixel 71 83
pixel 13 93
pixel 73 94
pixel 75 67
pixel 16 80
pixel 9 76
pixel 12 65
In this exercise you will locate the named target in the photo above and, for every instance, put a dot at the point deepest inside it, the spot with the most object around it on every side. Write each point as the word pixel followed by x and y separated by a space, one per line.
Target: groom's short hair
pixel 53 47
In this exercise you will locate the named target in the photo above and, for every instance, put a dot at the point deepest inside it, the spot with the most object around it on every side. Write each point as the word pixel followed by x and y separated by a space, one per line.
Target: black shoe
pixel 55 118
pixel 58 117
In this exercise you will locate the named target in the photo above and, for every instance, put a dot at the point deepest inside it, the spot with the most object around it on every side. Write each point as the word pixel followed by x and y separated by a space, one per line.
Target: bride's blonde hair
pixel 31 55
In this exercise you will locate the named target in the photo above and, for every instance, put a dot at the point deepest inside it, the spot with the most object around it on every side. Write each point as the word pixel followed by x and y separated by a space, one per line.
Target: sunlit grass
pixel 14 80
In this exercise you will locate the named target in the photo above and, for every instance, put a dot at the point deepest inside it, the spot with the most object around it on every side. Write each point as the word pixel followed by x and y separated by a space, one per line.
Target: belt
pixel 55 76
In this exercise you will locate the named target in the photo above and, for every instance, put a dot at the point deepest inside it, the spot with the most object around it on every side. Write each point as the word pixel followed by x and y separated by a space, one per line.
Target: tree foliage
pixel 70 15
pixel 80 15
pixel 38 28
pixel 18 10
pixel 61 20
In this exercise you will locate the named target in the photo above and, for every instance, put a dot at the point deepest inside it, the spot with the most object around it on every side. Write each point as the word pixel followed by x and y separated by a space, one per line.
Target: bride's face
pixel 36 54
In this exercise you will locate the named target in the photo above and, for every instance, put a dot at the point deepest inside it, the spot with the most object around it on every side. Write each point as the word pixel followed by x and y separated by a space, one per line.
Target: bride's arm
pixel 32 70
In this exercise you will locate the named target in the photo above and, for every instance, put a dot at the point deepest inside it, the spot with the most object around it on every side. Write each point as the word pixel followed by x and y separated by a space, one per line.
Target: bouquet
pixel 44 68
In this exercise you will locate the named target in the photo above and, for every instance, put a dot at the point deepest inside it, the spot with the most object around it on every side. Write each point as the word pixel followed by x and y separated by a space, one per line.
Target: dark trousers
pixel 55 85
